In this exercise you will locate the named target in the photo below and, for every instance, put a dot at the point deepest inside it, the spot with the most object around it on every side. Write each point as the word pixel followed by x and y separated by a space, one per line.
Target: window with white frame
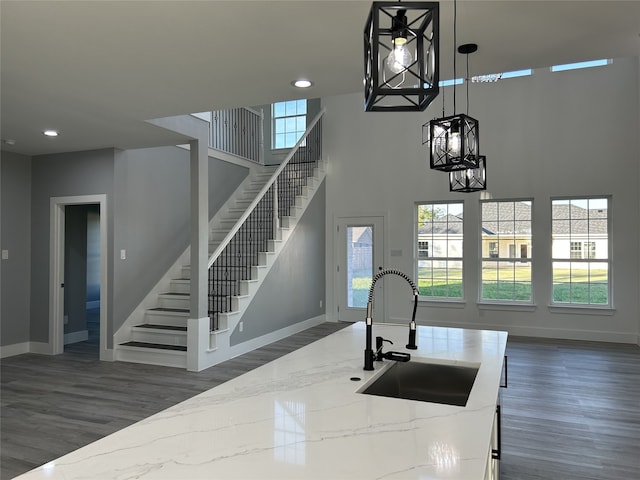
pixel 289 122
pixel 580 251
pixel 506 251
pixel 439 229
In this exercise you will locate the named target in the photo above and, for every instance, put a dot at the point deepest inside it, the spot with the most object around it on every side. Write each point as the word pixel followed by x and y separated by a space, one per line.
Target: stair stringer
pixel 137 316
pixel 220 348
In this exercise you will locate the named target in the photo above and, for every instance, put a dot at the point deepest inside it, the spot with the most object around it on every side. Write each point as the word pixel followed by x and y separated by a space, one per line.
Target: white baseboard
pixel 40 347
pixel 250 345
pixel 75 337
pixel 108 355
pixel 15 349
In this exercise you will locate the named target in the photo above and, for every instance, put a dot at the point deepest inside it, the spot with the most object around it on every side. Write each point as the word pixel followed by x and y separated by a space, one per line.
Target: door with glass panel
pixel 359 257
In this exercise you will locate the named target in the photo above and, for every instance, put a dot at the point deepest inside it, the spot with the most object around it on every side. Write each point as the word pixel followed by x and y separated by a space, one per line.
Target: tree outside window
pixel 439 247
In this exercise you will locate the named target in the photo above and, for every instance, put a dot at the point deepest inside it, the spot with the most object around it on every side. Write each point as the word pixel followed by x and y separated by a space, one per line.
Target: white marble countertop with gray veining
pixel 301 416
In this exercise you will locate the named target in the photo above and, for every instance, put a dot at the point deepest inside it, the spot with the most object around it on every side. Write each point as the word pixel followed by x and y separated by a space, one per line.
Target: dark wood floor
pixel 571 411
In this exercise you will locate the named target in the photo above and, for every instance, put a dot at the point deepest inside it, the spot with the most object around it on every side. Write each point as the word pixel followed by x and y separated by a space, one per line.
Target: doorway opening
pixel 78 274
pixel 359 256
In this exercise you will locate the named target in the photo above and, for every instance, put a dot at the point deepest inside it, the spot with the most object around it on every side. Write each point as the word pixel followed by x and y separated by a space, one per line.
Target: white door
pixel 359 257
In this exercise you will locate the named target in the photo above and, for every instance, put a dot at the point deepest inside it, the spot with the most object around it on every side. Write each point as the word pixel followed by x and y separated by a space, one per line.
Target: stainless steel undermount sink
pixel 445 383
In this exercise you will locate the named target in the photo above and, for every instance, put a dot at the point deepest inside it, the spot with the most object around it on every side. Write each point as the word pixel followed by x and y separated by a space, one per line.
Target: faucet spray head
pixel 412 325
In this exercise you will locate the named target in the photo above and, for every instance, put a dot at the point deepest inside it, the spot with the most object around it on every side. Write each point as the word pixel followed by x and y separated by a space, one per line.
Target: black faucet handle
pixel 379 343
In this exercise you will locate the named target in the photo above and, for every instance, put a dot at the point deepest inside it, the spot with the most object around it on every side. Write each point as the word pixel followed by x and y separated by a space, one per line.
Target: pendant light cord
pixel 467 81
pixel 455 14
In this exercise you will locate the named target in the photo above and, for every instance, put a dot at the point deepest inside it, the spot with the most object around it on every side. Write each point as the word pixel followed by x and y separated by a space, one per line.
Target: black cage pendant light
pixel 453 140
pixel 401 56
pixel 470 179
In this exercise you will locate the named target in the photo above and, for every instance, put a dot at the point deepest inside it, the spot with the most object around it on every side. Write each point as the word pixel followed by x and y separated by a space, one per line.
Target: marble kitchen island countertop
pixel 300 416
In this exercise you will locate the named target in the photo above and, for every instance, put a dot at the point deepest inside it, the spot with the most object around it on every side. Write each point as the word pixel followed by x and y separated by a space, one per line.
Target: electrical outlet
pixel 320 303
pixel 66 319
pixel 123 254
pixel 241 326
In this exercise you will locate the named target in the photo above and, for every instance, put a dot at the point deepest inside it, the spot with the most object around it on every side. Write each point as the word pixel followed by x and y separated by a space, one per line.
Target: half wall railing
pixel 238 254
pixel 238 131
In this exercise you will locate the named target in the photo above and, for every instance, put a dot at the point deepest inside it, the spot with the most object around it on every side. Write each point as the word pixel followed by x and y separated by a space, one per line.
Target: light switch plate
pixel 123 254
pixel 5 254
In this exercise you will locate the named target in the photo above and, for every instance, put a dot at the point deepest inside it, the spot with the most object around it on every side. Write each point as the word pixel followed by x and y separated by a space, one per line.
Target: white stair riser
pixel 181 286
pixel 166 358
pixel 159 336
pixel 166 318
pixel 226 288
pixel 222 304
pixel 174 301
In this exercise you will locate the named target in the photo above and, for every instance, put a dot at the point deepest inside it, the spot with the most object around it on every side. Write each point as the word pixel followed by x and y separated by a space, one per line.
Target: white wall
pixel 551 134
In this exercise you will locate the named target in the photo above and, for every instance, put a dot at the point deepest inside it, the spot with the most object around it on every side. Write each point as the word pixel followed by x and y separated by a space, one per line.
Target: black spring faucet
pixel 369 354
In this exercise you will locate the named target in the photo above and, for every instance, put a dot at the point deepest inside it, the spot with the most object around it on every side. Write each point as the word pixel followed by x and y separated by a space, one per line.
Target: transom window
pixel 439 249
pixel 580 251
pixel 289 122
pixel 506 251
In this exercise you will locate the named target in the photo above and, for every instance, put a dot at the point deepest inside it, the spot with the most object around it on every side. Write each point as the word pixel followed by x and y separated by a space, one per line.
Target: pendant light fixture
pixel 469 179
pixel 453 140
pixel 401 56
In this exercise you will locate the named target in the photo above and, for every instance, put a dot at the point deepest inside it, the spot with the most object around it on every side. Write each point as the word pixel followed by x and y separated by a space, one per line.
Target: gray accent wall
pixel 15 228
pixel 63 175
pixel 295 285
pixel 147 194
pixel 152 208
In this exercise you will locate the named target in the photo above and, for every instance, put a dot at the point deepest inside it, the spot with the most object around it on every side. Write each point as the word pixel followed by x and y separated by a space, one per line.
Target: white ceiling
pixel 96 70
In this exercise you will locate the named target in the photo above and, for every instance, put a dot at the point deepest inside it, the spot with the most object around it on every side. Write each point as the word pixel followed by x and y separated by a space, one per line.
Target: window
pixel 580 251
pixel 448 83
pixel 517 73
pixel 575 66
pixel 423 249
pixel 506 251
pixel 575 250
pixel 289 122
pixel 439 239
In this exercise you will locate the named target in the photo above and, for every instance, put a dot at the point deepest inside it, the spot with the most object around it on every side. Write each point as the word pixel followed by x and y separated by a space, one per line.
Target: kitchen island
pixel 301 416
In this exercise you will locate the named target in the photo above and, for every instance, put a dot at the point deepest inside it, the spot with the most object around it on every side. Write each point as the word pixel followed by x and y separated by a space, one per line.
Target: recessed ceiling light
pixel 51 133
pixel 302 83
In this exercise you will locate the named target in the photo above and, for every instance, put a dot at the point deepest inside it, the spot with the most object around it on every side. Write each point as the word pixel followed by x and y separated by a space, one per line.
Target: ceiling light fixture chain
pixel 453 140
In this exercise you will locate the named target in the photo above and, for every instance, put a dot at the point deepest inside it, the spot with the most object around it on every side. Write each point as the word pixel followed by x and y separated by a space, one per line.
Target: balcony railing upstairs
pixel 238 131
pixel 239 253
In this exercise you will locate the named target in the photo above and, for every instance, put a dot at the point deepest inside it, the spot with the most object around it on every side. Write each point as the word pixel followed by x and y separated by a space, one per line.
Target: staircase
pixel 162 338
pixel 244 241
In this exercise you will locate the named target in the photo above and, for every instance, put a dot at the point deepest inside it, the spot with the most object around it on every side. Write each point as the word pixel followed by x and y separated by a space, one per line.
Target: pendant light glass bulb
pixel 453 140
pixel 400 57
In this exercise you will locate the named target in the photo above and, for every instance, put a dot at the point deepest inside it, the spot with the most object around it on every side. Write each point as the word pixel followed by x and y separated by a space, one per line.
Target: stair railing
pixel 239 252
pixel 238 131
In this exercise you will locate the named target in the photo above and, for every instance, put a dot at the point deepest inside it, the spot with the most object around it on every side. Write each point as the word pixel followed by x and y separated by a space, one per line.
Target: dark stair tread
pixel 158 346
pixel 180 294
pixel 165 309
pixel 176 328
